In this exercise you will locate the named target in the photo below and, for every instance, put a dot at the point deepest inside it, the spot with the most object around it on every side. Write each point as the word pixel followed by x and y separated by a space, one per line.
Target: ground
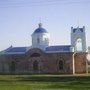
pixel 44 82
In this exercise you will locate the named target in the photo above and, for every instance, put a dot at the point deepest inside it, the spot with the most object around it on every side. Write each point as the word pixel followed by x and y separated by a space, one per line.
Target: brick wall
pixel 47 62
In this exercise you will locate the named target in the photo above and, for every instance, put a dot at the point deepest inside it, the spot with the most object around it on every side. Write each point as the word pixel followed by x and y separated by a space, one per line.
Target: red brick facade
pixel 37 61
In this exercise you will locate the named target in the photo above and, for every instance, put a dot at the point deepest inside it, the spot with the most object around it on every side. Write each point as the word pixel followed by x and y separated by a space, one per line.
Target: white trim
pixel 57 51
pixel 15 53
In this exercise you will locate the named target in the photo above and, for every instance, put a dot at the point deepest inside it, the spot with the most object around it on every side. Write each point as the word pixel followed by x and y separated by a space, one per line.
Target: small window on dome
pixel 38 40
pixel 46 40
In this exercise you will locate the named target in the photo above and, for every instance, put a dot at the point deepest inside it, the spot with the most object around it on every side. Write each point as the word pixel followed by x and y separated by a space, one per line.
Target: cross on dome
pixel 40 25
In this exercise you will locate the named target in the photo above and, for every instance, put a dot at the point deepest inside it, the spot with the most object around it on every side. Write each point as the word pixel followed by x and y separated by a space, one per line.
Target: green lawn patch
pixel 44 82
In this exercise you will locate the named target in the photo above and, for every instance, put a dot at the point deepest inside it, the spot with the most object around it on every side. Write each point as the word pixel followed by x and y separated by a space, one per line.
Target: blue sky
pixel 19 18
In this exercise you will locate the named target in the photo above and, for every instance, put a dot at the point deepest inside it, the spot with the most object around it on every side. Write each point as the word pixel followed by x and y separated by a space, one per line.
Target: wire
pixel 40 3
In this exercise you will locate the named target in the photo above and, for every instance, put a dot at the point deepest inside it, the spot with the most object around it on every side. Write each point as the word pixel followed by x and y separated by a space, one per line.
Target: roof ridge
pixel 60 45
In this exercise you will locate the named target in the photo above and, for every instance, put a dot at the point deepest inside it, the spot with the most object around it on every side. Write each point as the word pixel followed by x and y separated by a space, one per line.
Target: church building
pixel 40 57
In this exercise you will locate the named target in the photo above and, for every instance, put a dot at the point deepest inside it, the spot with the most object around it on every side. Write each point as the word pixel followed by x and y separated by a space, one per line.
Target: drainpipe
pixel 86 66
pixel 87 58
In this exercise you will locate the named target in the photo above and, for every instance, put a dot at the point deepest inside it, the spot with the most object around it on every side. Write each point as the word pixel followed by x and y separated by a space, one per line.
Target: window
pixel 74 30
pixel 35 55
pixel 60 65
pixel 81 29
pixel 46 40
pixel 35 66
pixel 79 44
pixel 38 40
pixel 13 66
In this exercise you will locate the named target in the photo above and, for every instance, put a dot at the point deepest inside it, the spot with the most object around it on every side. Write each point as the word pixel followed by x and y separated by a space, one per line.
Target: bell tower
pixel 78 39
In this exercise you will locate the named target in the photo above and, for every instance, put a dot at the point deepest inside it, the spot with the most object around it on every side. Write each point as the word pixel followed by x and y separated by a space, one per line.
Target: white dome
pixel 40 38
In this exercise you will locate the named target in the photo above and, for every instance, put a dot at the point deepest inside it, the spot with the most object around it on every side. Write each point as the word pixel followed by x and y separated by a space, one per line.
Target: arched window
pixel 45 39
pixel 60 65
pixel 38 40
pixel 35 66
pixel 79 44
pixel 35 55
pixel 13 66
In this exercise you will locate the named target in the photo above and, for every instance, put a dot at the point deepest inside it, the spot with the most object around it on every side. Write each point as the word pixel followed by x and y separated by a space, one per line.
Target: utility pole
pixel 73 63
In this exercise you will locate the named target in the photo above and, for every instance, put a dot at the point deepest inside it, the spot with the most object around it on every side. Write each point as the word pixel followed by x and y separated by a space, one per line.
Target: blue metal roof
pixel 15 49
pixel 61 48
pixel 51 49
pixel 40 30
